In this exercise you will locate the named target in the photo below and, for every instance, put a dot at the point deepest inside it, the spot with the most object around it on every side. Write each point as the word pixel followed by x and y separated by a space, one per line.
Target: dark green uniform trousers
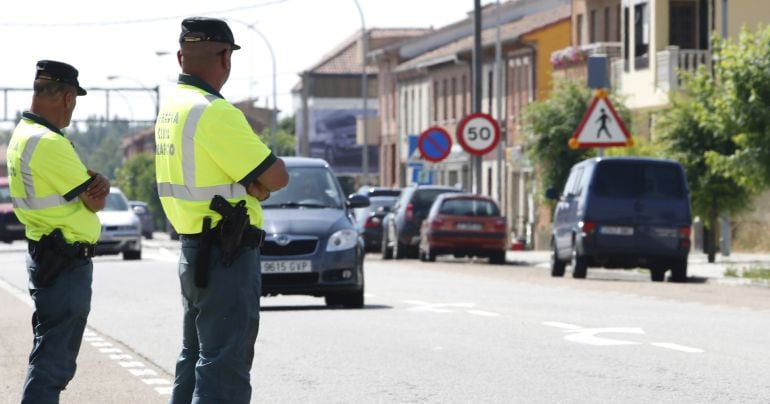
pixel 220 328
pixel 58 322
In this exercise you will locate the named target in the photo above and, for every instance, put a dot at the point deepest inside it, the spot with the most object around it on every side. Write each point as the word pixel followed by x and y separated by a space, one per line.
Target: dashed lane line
pixel 135 367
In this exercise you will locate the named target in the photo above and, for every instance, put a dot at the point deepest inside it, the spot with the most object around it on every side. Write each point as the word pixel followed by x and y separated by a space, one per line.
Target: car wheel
pixel 657 274
pixel 497 258
pixel 679 270
pixel 557 265
pixel 129 255
pixel 579 265
pixel 148 235
pixel 387 251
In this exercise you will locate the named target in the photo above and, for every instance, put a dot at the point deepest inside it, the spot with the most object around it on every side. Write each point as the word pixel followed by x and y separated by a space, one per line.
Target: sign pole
pixel 476 160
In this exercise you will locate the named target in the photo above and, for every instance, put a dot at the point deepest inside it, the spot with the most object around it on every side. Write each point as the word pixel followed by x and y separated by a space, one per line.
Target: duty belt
pixel 75 250
pixel 252 237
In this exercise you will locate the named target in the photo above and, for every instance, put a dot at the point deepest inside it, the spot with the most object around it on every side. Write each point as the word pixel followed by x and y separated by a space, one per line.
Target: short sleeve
pixel 231 143
pixel 57 163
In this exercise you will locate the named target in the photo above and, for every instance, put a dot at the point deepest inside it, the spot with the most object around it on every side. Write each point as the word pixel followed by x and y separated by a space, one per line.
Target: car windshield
pixel 634 180
pixel 115 201
pixel 5 195
pixel 308 187
pixel 375 204
pixel 469 207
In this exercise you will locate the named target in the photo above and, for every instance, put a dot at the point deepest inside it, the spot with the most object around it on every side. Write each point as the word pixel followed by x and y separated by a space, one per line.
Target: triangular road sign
pixel 601 126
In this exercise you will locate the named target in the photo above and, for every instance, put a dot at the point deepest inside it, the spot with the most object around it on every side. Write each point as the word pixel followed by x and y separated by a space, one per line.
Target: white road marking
pixel 436 307
pixel 677 347
pixel 136 368
pixel 588 336
pixel 483 313
pixel 163 254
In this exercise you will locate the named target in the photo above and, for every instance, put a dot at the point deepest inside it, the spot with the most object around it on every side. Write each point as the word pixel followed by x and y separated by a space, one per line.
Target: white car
pixel 121 228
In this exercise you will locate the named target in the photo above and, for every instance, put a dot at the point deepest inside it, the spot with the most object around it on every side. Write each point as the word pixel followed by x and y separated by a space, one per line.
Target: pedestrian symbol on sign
pixel 601 126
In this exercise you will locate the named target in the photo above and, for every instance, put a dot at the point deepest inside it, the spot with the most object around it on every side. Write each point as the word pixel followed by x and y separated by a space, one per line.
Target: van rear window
pixel 638 180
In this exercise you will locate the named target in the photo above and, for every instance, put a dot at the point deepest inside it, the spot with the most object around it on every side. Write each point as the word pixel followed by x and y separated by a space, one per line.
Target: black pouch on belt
pixel 51 257
pixel 230 230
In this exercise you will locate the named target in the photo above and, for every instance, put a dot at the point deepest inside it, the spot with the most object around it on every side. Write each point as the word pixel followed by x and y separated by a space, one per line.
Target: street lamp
pixel 364 96
pixel 273 116
pixel 156 89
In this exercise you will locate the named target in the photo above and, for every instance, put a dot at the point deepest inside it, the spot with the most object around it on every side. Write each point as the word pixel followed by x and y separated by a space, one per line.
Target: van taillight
pixel 372 222
pixel 409 212
pixel 587 227
pixel 684 238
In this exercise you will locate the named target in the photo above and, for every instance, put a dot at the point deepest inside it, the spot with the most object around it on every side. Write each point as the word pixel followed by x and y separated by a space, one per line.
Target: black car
pixel 312 245
pixel 369 220
pixel 401 227
pixel 10 227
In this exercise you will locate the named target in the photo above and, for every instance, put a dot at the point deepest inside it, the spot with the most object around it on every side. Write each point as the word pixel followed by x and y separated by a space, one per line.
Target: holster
pixel 52 254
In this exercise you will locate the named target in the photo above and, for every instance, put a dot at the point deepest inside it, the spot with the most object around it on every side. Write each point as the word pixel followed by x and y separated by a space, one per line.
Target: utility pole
pixel 475 161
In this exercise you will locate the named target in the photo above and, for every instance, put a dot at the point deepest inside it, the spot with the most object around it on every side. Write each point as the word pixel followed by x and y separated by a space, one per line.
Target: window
pixel 606 24
pixel 635 180
pixel 579 30
pixel 594 28
pixel 641 36
pixel 446 97
pixel 683 24
pixel 469 207
pixel 465 96
pixel 435 101
pixel 626 30
pixel 454 97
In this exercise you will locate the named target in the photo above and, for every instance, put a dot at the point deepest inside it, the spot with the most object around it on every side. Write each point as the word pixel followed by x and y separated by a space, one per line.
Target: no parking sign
pixel 434 144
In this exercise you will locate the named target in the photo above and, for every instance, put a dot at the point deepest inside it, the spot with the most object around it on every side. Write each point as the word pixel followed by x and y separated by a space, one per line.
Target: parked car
pixel 401 227
pixel 145 217
pixel 464 225
pixel 623 212
pixel 369 220
pixel 121 229
pixel 10 227
pixel 312 246
pixel 372 191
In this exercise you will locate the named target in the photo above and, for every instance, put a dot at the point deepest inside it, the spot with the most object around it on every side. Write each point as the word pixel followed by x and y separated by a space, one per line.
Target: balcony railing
pixel 673 60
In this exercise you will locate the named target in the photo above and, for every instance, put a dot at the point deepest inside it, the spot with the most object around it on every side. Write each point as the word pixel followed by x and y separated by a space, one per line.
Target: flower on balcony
pixel 568 56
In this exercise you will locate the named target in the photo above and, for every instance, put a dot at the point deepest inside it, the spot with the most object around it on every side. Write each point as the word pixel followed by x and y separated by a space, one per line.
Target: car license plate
pixel 617 230
pixel 468 226
pixel 282 267
pixel 14 227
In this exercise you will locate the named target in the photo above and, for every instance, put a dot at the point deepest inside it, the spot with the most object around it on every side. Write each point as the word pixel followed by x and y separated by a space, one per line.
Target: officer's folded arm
pixel 94 201
pixel 274 177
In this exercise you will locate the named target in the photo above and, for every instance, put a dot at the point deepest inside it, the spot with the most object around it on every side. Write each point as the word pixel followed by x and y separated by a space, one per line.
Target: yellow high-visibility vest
pixel 45 177
pixel 204 147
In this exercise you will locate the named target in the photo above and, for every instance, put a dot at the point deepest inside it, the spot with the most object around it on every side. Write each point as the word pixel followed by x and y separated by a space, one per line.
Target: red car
pixel 464 225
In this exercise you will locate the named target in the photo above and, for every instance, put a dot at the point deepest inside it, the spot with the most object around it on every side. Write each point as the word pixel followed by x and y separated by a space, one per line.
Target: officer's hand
pixel 257 190
pixel 99 187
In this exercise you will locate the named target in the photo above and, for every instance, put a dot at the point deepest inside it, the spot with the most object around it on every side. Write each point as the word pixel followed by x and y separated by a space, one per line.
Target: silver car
pixel 121 228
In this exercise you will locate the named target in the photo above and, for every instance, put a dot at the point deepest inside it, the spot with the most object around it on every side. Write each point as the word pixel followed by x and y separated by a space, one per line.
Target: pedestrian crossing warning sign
pixel 601 126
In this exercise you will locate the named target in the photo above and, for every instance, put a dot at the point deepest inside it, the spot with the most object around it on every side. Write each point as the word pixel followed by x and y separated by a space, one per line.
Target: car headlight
pixel 342 240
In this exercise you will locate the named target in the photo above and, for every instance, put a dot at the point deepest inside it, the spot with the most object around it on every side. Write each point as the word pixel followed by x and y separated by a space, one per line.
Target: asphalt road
pixel 445 332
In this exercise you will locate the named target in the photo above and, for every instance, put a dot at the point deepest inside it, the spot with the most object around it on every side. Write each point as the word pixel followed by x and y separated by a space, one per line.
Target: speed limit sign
pixel 478 133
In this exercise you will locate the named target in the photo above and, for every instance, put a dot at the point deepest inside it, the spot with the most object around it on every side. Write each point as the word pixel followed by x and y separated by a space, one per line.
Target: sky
pixel 135 42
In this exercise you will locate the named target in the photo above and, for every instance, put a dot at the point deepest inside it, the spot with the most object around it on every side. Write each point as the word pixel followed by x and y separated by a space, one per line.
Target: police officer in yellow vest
pixel 212 171
pixel 56 198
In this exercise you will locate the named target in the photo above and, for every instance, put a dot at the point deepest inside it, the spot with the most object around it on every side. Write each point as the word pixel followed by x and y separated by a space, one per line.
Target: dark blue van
pixel 623 212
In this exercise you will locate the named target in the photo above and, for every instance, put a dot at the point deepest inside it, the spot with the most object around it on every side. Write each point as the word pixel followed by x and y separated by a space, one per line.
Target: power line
pixel 136 21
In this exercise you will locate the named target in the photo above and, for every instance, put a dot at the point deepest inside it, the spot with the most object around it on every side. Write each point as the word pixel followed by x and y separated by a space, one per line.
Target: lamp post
pixel 273 115
pixel 364 96
pixel 155 89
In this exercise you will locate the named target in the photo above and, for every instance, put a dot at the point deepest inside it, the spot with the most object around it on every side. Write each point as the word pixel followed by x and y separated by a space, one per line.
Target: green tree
pixel 99 144
pixel 137 181
pixel 548 126
pixel 285 137
pixel 711 128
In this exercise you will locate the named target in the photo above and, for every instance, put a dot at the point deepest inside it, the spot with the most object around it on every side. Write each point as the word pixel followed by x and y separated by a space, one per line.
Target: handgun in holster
pixel 231 228
pixel 51 258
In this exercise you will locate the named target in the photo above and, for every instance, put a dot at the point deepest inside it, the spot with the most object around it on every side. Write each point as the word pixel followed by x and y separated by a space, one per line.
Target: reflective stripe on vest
pixel 187 191
pixel 32 202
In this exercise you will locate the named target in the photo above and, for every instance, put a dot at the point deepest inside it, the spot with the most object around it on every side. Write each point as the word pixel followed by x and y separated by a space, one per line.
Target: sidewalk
pixel 698 265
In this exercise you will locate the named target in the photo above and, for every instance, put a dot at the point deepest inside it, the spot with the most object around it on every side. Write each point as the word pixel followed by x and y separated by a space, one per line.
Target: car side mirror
pixel 552 194
pixel 357 201
pixel 140 210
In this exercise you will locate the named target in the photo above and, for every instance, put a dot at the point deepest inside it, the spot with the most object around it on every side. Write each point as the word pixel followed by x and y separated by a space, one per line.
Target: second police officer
pixel 212 171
